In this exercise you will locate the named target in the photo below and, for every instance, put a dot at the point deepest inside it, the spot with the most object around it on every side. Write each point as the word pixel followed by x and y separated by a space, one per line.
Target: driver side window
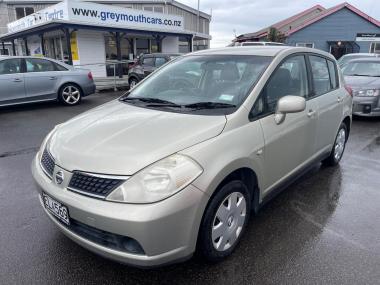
pixel 290 78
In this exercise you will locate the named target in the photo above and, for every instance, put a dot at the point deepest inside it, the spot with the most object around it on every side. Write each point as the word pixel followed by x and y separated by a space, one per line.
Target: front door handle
pixel 17 80
pixel 311 113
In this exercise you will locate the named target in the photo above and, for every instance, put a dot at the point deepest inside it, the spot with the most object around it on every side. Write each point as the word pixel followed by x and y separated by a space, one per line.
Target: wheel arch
pixel 248 176
pixel 133 76
pixel 347 121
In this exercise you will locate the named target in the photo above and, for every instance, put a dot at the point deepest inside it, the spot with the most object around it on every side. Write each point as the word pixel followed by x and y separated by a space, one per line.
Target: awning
pixel 60 24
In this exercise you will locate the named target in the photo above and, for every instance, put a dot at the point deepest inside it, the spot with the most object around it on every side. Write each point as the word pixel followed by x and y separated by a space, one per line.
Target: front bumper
pixel 167 231
pixel 366 106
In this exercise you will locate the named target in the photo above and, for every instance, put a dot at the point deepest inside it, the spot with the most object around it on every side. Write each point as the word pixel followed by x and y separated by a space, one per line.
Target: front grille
pixel 47 162
pixel 93 185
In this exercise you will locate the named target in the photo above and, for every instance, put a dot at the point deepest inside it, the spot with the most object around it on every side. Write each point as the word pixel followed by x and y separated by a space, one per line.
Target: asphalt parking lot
pixel 324 229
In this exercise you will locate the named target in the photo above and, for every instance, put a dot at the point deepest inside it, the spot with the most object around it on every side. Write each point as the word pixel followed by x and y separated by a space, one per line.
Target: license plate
pixel 56 208
pixel 367 109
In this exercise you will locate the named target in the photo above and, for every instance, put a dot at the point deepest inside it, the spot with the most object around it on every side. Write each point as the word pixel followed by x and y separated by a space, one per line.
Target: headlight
pixel 367 93
pixel 158 181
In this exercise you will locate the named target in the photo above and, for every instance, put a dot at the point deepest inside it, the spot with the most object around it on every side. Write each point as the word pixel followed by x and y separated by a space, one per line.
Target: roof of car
pixel 367 59
pixel 162 54
pixel 360 54
pixel 248 50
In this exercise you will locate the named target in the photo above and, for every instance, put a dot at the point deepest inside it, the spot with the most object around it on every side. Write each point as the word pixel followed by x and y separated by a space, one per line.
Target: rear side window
pixel 39 65
pixel 10 66
pixel 321 77
pixel 333 77
pixel 160 61
pixel 59 67
pixel 148 61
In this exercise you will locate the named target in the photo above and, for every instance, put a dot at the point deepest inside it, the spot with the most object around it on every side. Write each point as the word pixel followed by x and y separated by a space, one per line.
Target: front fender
pixel 231 150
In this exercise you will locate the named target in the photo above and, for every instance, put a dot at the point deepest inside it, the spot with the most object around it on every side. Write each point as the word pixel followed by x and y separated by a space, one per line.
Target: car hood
pixel 120 139
pixel 365 82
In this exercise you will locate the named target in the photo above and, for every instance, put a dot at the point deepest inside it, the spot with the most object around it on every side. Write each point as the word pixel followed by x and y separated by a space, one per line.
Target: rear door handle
pixel 52 78
pixel 340 99
pixel 17 80
pixel 311 113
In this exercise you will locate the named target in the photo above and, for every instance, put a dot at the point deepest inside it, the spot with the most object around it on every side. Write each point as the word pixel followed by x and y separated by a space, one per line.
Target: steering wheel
pixel 182 84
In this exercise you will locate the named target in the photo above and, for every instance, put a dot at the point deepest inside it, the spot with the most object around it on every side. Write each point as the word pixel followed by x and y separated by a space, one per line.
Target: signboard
pixel 101 15
pixel 74 46
pixel 56 12
pixel 367 37
pixel 108 15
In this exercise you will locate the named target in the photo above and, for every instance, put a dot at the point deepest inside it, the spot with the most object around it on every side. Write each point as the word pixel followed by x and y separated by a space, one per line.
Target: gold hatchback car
pixel 180 162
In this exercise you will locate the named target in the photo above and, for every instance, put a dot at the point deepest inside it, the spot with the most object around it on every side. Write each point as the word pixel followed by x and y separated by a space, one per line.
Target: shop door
pixel 338 52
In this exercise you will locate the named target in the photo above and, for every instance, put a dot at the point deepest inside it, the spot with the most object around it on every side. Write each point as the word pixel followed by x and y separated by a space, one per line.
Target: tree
pixel 275 35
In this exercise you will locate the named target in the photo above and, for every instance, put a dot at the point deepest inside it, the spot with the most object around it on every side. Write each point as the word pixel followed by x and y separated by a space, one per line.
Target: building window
pixel 22 12
pixel 156 9
pixel 148 8
pixel 375 48
pixel 142 46
pixel 4 51
pixel 309 45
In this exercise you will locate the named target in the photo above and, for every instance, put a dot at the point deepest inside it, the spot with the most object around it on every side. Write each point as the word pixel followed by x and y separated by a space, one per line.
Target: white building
pixel 88 33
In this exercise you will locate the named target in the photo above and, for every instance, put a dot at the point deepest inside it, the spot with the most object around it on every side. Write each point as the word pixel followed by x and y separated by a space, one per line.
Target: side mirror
pixel 288 104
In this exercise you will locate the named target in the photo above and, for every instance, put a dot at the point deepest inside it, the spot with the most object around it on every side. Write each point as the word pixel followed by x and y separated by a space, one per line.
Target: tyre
pixel 338 148
pixel 133 82
pixel 224 221
pixel 70 94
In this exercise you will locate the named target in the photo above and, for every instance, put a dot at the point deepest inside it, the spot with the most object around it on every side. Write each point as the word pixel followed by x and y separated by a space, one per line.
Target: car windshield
pixel 345 59
pixel 212 84
pixel 363 68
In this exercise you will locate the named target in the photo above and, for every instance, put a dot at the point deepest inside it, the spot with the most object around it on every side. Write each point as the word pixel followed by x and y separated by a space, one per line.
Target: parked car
pixel 146 64
pixel 347 57
pixel 35 79
pixel 363 76
pixel 244 44
pixel 165 169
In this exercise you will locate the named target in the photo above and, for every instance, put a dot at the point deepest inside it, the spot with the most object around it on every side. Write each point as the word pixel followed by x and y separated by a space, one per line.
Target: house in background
pixel 339 30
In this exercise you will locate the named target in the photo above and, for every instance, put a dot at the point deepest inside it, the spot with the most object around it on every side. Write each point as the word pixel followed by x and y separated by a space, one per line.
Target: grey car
pixel 36 79
pixel 363 76
pixel 146 64
pixel 351 56
pixel 168 168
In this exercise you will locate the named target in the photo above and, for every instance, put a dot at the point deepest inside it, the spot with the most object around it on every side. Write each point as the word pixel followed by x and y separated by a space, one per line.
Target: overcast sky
pixel 245 16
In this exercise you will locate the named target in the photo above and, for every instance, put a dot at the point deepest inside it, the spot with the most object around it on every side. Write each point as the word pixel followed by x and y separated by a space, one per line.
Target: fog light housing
pixel 132 246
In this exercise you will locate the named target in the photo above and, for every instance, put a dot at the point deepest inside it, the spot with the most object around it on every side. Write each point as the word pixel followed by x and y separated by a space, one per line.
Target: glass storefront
pixel 111 54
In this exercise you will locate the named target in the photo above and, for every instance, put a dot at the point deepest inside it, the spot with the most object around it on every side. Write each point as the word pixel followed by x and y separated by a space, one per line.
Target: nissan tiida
pixel 180 162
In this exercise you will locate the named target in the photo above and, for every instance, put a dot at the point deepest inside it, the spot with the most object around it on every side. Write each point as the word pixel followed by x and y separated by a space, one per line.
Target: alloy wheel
pixel 71 94
pixel 132 84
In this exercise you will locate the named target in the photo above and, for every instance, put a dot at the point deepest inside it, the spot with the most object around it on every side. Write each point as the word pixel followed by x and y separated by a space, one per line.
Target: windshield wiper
pixel 356 74
pixel 209 105
pixel 151 102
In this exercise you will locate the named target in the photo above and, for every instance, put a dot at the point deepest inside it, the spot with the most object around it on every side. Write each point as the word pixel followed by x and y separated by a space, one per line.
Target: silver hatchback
pixel 363 77
pixel 172 167
pixel 36 79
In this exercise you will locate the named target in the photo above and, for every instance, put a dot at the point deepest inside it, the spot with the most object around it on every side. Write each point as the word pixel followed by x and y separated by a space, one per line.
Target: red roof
pixel 333 10
pixel 283 23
